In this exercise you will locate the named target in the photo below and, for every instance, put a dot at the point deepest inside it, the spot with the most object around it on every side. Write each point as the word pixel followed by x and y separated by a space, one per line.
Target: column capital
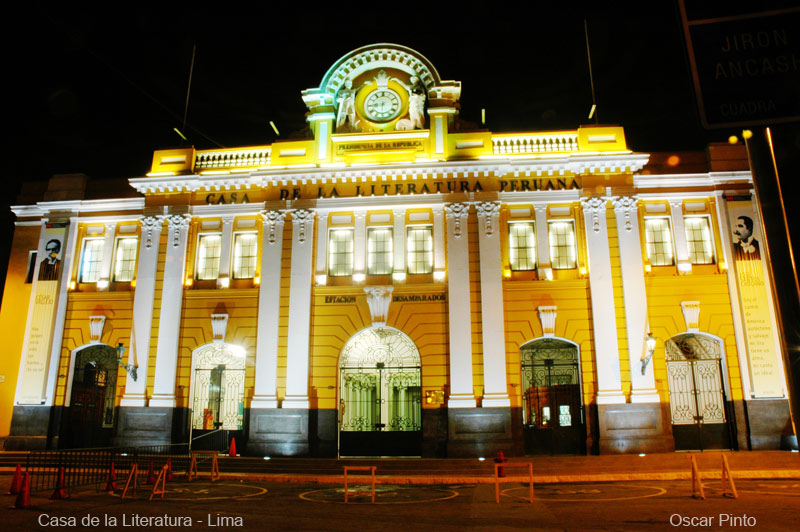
pixel 150 224
pixel 488 211
pixel 626 206
pixel 273 221
pixel 299 219
pixel 177 223
pixel 456 212
pixel 596 208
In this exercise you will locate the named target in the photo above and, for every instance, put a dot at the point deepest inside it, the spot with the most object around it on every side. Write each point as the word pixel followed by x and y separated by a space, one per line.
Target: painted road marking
pixel 187 493
pixel 541 493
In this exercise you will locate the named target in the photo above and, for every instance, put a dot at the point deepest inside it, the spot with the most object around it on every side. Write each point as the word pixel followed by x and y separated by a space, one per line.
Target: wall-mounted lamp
pixel 132 369
pixel 650 348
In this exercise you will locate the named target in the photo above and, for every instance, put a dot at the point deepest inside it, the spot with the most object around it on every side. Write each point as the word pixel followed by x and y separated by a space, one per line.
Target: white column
pixel 609 381
pixel 108 253
pixel 399 243
pixel 322 247
pixel 643 386
pixel 139 349
pixel 360 246
pixel 223 279
pixel 495 390
pixel 170 316
pixel 439 265
pixel 269 309
pixel 543 242
pixel 458 303
pixel 679 228
pixel 299 310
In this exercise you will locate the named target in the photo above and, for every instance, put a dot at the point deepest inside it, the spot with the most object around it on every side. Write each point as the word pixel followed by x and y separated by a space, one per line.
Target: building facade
pixel 399 283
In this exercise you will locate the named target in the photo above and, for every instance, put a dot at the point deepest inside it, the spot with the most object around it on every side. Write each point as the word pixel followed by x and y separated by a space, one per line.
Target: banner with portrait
pixel 758 316
pixel 39 329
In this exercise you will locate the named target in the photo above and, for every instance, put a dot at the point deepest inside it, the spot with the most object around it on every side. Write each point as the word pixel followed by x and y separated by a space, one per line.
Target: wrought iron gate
pixel 380 408
pixel 696 393
pixel 552 408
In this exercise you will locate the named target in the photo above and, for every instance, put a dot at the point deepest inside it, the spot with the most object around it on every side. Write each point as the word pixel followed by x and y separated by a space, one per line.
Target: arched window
pixel 218 387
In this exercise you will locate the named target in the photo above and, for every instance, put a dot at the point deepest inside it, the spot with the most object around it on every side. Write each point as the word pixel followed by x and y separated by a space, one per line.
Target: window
pixel 698 238
pixel 420 249
pixel 245 247
pixel 522 246
pixel 125 260
pixel 379 251
pixel 563 251
pixel 91 261
pixel 340 252
pixel 659 241
pixel 208 256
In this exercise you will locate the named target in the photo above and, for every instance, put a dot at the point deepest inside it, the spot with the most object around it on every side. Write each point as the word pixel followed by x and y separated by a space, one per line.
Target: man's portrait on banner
pixel 745 246
pixel 49 267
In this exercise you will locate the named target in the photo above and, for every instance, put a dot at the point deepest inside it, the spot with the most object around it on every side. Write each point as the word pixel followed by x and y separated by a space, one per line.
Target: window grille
pixel 245 248
pixel 379 251
pixel 125 260
pixel 420 249
pixel 340 252
pixel 659 242
pixel 208 253
pixel 563 249
pixel 522 246
pixel 698 238
pixel 92 259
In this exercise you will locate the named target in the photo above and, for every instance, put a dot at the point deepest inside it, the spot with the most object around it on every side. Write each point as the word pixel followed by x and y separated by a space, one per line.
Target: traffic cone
pixel 151 475
pixel 60 492
pixel 170 478
pixel 16 484
pixel 24 496
pixel 232 451
pixel 111 483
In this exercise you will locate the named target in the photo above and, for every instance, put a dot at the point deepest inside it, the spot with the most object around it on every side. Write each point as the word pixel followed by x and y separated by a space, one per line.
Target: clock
pixel 382 105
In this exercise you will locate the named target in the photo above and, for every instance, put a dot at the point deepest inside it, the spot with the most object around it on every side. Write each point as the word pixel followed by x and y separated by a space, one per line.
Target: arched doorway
pixel 380 411
pixel 217 394
pixel 696 392
pixel 91 405
pixel 552 407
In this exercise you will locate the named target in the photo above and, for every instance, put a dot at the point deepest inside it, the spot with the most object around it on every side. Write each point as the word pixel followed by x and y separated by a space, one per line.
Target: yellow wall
pixel 13 315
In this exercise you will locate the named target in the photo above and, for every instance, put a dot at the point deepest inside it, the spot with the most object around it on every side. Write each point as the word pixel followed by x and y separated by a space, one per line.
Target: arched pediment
pixel 379 345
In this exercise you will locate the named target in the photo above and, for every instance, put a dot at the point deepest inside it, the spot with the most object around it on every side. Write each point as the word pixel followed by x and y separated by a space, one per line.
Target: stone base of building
pixel 434 432
pixel 285 432
pixel 145 426
pixel 633 428
pixel 770 424
pixel 474 432
pixel 32 429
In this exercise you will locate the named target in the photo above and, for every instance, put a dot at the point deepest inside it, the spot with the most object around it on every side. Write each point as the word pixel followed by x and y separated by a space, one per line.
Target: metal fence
pixel 91 466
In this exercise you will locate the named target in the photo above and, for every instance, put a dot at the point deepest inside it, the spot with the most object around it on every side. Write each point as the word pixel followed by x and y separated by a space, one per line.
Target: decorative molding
pixel 149 225
pixel 691 315
pixel 455 212
pixel 96 325
pixel 488 211
pixel 273 221
pixel 547 316
pixel 299 219
pixel 626 205
pixel 219 326
pixel 594 207
pixel 378 299
pixel 177 223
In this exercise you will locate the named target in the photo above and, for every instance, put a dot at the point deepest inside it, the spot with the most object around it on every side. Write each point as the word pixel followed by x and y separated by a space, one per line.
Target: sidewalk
pixel 546 469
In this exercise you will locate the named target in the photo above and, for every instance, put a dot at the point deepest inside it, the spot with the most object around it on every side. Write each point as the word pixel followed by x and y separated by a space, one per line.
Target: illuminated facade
pixel 400 283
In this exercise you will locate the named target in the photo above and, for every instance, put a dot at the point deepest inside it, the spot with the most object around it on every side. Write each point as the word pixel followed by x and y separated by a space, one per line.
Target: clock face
pixel 382 105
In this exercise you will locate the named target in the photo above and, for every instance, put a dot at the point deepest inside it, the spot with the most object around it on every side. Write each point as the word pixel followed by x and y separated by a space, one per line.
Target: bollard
pixel 16 484
pixel 500 459
pixel 24 496
pixel 60 492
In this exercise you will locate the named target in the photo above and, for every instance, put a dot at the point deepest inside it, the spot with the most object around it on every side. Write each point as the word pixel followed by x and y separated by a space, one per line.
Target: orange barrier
pixel 697 481
pixel 371 469
pixel 162 479
pixel 134 476
pixel 727 478
pixel 506 465
pixel 191 474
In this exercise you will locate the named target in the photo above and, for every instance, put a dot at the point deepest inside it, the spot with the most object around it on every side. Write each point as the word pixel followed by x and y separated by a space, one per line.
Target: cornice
pixel 710 179
pixel 76 207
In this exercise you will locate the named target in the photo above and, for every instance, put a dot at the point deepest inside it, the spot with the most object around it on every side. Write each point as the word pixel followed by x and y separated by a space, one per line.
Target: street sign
pixel 746 66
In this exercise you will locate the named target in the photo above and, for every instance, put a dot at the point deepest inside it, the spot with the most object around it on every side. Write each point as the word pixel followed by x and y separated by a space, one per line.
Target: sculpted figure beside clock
pixel 347 107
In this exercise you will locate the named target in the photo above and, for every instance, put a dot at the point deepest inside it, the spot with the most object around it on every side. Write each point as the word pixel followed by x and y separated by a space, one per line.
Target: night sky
pixel 96 93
